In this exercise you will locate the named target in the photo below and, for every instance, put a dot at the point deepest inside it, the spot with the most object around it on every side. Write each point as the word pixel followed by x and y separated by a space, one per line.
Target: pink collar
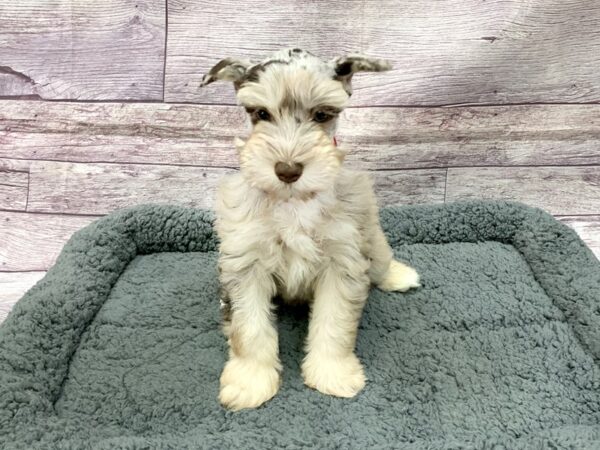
pixel 334 141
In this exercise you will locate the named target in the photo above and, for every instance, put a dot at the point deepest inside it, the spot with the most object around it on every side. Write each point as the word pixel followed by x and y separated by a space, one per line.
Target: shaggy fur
pixel 119 346
pixel 294 223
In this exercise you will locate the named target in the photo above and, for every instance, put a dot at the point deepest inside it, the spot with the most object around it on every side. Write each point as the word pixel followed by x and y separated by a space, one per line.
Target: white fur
pixel 326 250
pixel 399 277
pixel 316 240
pixel 247 383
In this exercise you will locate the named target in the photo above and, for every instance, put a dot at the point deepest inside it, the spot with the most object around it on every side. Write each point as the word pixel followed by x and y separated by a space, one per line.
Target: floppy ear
pixel 346 66
pixel 228 69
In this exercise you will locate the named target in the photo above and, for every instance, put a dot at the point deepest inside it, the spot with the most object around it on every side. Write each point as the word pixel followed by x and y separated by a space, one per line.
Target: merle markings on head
pixel 293 99
pixel 241 71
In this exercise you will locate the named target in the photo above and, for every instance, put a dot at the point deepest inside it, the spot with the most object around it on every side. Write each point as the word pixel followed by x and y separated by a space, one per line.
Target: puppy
pixel 294 222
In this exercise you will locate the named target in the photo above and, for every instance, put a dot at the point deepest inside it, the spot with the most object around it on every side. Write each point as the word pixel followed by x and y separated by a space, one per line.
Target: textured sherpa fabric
pixel 119 346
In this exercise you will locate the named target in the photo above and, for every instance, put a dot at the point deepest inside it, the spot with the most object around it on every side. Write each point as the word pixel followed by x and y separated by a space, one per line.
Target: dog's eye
pixel 263 114
pixel 321 117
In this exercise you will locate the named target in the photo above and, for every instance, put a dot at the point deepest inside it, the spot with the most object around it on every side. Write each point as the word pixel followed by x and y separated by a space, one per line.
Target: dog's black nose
pixel 288 173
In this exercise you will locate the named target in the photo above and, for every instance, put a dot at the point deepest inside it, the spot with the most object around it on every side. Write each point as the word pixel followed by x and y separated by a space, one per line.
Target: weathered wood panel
pixel 78 188
pixel 31 242
pixel 457 51
pixel 473 136
pixel 377 138
pixel 117 132
pixel 121 119
pixel 406 187
pixel 100 188
pixel 14 165
pixel 79 49
pixel 13 186
pixel 588 228
pixel 12 287
pixel 559 190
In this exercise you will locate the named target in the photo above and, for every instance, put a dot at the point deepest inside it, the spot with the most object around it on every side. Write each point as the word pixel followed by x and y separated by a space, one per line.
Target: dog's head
pixel 293 99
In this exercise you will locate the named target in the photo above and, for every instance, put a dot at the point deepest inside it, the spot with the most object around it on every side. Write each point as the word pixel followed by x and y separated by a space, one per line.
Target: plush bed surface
pixel 119 345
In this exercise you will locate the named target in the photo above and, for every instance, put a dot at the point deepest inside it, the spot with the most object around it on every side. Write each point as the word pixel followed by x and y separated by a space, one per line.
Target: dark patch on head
pixel 288 102
pixel 344 69
pixel 274 61
pixel 298 53
pixel 253 73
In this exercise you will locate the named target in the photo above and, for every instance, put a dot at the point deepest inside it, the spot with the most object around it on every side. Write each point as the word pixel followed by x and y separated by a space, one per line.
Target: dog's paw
pixel 247 384
pixel 341 377
pixel 399 277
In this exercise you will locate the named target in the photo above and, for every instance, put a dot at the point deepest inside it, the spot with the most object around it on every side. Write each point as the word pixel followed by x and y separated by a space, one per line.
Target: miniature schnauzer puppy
pixel 293 222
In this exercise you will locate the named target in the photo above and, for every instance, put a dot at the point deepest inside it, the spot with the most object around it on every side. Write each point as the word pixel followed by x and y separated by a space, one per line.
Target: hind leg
pixel 385 272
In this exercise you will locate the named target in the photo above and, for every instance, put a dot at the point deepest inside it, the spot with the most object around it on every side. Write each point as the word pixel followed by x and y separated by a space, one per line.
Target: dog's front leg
pixel 330 365
pixel 252 374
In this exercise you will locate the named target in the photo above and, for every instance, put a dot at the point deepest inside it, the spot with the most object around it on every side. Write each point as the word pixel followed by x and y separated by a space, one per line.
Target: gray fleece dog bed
pixel 119 345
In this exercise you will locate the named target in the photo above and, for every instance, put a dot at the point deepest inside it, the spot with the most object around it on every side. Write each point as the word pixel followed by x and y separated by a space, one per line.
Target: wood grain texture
pixel 119 132
pixel 559 190
pixel 588 228
pixel 14 180
pixel 100 188
pixel 15 165
pixel 13 286
pixel 451 52
pixel 407 187
pixel 380 138
pixel 31 242
pixel 78 49
pixel 376 138
pixel 78 188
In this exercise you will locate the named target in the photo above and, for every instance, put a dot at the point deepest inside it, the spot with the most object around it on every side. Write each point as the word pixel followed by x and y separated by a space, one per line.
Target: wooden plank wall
pixel 100 106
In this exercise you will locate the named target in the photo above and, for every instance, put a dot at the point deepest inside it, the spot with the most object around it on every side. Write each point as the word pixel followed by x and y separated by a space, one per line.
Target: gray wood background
pixel 100 106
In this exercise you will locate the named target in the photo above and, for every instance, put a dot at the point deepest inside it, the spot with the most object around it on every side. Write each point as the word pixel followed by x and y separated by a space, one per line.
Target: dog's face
pixel 293 100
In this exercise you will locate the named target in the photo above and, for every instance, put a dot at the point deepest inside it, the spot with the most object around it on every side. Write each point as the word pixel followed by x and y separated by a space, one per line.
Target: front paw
pixel 247 384
pixel 340 377
pixel 399 277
